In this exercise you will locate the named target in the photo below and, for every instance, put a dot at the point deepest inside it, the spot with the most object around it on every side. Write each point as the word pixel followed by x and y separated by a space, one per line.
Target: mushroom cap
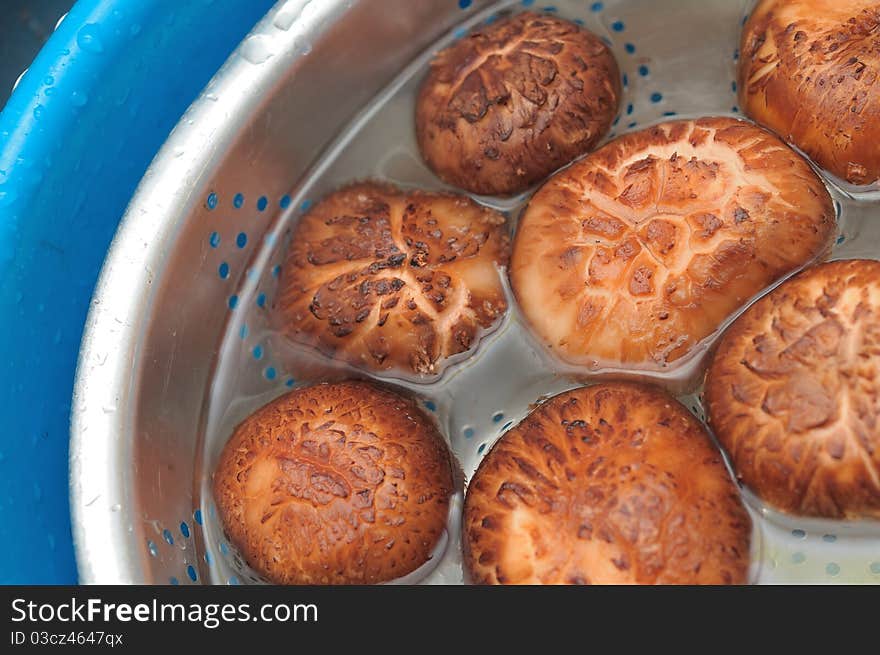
pixel 639 251
pixel 792 393
pixel 611 484
pixel 504 107
pixel 388 279
pixel 344 483
pixel 808 70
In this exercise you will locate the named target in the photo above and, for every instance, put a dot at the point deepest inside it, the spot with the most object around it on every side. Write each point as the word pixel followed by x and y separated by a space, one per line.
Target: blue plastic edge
pixel 75 139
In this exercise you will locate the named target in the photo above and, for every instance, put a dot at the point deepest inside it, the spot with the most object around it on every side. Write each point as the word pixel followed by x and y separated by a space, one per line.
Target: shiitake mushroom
pixel 808 70
pixel 611 484
pixel 345 483
pixel 507 105
pixel 388 279
pixel 792 393
pixel 642 249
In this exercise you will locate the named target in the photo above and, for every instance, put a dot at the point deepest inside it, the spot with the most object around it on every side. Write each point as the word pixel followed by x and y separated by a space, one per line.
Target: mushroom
pixel 507 105
pixel 345 483
pixel 808 70
pixel 388 279
pixel 642 249
pixel 611 484
pixel 792 393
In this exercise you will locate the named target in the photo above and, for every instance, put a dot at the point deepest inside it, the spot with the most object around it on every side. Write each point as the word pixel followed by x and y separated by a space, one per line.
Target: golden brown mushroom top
pixel 808 70
pixel 504 107
pixel 793 393
pixel 610 484
pixel 640 250
pixel 391 279
pixel 344 483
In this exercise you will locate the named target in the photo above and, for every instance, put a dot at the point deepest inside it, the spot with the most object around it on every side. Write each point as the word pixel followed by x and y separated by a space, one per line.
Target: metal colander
pixel 178 346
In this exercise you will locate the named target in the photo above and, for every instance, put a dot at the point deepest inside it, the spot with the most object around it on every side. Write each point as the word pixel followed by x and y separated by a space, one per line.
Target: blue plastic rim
pixel 75 139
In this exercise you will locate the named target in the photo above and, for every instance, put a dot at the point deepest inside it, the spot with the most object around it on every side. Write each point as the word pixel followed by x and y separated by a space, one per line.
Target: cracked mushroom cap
pixel 808 71
pixel 639 251
pixel 792 393
pixel 610 484
pixel 388 279
pixel 343 483
pixel 504 107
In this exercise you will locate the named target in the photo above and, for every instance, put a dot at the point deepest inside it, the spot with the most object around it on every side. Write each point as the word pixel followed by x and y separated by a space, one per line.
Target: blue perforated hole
pixel 232 302
pixel 829 538
pixel 262 203
pixel 261 300
pixel 270 373
pixel 656 97
pixel 497 416
pixel 241 240
pixel 214 239
pixel 174 580
pixel 284 203
pixel 643 71
pixel 733 86
pixel 481 448
pixel 290 382
pixel 243 332
pixel 258 351
pixel 629 109
pixel 212 201
pixel 234 580
pixel 798 558
pixel 597 6
pixel 166 533
pixel 630 48
pixel 305 204
pixel 151 546
pixel 464 4
pixel 223 271
pixel 238 200
pixel 208 558
pixel 191 572
pixel 224 549
pixel 197 516
pixel 468 433
pixel 276 270
pixel 625 80
pixel 798 534
pixel 431 405
pixel 184 529
pixel 618 26
pixel 832 569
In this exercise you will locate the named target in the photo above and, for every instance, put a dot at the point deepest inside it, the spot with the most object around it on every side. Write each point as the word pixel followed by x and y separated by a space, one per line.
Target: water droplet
pixel 108 409
pixel 89 38
pixel 286 17
pixel 7 198
pixel 256 49
pixel 115 507
pixel 135 29
pixel 211 97
pixel 79 98
pixel 178 152
pixel 49 80
pixel 38 112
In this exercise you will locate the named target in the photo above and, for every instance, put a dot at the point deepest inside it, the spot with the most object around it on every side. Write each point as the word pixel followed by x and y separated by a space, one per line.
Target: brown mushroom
pixel 344 483
pixel 610 484
pixel 793 393
pixel 387 279
pixel 640 250
pixel 509 104
pixel 808 70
